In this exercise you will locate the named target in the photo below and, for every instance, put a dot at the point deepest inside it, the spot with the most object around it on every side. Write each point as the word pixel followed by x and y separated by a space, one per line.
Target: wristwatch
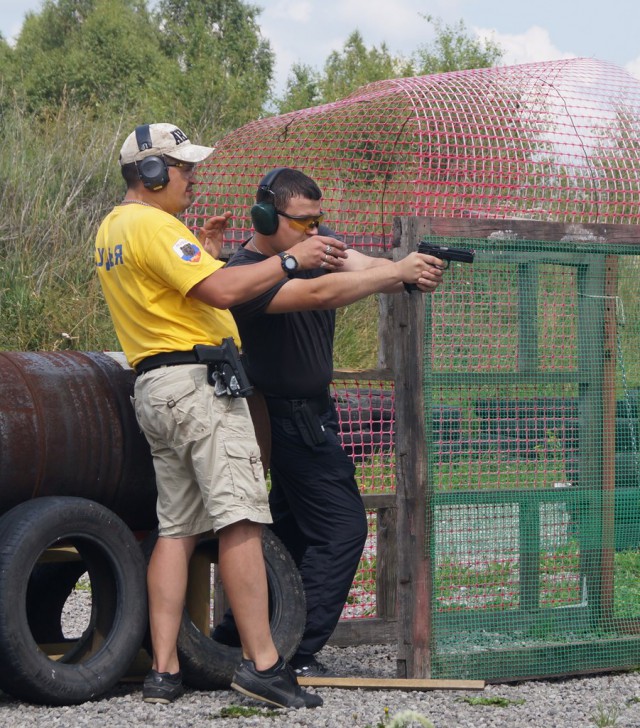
pixel 289 264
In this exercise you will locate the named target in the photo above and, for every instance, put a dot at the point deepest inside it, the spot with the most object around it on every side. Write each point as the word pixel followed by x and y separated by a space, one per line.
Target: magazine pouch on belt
pixel 308 423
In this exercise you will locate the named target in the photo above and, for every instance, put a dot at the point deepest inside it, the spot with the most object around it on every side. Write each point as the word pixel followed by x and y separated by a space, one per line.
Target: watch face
pixel 290 263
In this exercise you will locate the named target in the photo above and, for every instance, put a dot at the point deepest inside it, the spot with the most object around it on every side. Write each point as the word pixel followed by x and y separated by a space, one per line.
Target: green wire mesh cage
pixel 531 380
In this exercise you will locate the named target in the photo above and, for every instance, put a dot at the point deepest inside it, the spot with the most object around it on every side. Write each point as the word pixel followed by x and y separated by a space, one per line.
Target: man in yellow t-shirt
pixel 167 294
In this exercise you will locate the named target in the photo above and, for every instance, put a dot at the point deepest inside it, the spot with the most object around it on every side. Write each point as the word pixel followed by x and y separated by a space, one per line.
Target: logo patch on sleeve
pixel 186 250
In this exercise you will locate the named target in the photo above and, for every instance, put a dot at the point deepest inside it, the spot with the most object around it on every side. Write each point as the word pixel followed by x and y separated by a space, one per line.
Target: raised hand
pixel 211 234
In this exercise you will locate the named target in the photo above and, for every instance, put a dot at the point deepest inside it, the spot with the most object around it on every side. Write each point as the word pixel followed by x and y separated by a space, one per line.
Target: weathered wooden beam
pixel 608 235
pixel 382 683
pixel 406 325
pixel 385 375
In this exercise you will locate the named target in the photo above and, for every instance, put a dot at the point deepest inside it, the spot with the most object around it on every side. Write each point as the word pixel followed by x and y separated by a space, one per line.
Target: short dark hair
pixel 293 183
pixel 130 174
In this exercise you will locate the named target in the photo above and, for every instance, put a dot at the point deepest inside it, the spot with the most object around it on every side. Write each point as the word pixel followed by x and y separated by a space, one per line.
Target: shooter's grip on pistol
pixel 444 253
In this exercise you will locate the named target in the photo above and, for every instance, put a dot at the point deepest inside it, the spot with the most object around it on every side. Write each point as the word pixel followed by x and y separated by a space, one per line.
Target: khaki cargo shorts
pixel 207 461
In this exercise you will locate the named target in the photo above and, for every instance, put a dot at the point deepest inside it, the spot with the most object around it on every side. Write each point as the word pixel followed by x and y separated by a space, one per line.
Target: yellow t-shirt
pixel 147 261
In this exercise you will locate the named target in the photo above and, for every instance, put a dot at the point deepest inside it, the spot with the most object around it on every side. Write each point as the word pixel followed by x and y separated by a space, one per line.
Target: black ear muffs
pixel 152 170
pixel 263 214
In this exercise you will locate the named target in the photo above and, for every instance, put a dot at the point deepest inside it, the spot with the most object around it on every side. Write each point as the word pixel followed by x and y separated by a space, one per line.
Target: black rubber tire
pixel 112 557
pixel 209 665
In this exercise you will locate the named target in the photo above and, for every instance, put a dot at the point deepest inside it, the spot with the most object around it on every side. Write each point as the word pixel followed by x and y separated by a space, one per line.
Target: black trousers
pixel 320 517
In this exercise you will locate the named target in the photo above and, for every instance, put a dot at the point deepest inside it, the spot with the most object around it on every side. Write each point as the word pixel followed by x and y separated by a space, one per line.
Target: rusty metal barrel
pixel 67 427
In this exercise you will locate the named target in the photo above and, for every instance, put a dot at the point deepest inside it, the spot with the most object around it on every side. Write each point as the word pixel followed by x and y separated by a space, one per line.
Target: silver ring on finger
pixel 328 249
pixel 325 259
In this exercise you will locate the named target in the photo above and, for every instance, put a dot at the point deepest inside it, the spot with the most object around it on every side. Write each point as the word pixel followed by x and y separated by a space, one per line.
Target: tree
pixel 356 65
pixel 200 63
pixel 454 50
pixel 226 67
pixel 6 63
pixel 98 54
pixel 303 89
pixel 344 71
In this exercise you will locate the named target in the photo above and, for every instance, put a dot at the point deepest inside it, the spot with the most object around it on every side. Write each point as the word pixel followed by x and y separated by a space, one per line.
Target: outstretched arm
pixel 332 291
pixel 428 282
pixel 230 286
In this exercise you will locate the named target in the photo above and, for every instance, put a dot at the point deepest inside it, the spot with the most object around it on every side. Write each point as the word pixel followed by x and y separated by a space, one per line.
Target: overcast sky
pixel 308 30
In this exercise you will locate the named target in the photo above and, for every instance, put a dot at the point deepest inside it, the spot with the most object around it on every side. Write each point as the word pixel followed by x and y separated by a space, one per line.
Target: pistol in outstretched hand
pixel 462 255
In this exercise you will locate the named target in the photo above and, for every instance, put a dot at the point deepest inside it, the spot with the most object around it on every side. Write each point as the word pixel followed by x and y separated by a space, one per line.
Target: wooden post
pixel 386 345
pixel 412 497
pixel 387 564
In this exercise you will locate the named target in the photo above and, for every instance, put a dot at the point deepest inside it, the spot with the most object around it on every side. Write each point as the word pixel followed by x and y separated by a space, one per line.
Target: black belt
pixel 281 407
pixel 166 359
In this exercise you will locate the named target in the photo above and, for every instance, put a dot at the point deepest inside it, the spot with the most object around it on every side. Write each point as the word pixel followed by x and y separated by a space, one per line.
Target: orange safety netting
pixel 556 141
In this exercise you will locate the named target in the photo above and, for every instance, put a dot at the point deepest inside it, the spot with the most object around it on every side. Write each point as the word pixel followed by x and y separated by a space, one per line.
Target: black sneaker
pixel 162 687
pixel 311 668
pixel 277 686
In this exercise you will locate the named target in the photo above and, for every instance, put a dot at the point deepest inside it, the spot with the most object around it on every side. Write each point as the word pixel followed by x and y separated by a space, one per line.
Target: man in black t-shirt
pixel 287 338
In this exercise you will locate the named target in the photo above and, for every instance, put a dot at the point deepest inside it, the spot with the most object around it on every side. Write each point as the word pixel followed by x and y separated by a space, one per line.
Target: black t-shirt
pixel 285 354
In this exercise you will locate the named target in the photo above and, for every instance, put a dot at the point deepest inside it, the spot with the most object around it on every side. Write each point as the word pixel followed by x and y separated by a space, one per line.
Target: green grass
pixel 240 711
pixel 52 205
pixel 560 580
pixel 356 339
pixel 492 472
pixel 606 716
pixel 627 584
pixel 363 589
pixel 377 473
pixel 53 197
pixel 494 583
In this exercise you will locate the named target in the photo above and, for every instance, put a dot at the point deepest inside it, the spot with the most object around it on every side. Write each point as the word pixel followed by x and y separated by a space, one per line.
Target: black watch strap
pixel 289 264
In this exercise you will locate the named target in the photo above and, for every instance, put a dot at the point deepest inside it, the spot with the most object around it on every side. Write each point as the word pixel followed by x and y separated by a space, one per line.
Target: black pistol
pixel 444 253
pixel 224 368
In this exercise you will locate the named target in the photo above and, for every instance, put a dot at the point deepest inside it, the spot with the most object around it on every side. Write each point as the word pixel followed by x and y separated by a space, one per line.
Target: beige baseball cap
pixel 158 140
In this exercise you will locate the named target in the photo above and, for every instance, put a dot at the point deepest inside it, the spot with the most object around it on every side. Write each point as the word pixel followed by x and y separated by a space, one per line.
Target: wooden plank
pixel 412 489
pixel 138 668
pixel 387 563
pixel 56 554
pixel 618 234
pixel 378 501
pixel 381 683
pixel 387 303
pixel 382 374
pixel 56 650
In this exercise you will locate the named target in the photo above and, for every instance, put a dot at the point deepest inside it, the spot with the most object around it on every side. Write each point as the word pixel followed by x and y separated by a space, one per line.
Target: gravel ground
pixel 602 700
